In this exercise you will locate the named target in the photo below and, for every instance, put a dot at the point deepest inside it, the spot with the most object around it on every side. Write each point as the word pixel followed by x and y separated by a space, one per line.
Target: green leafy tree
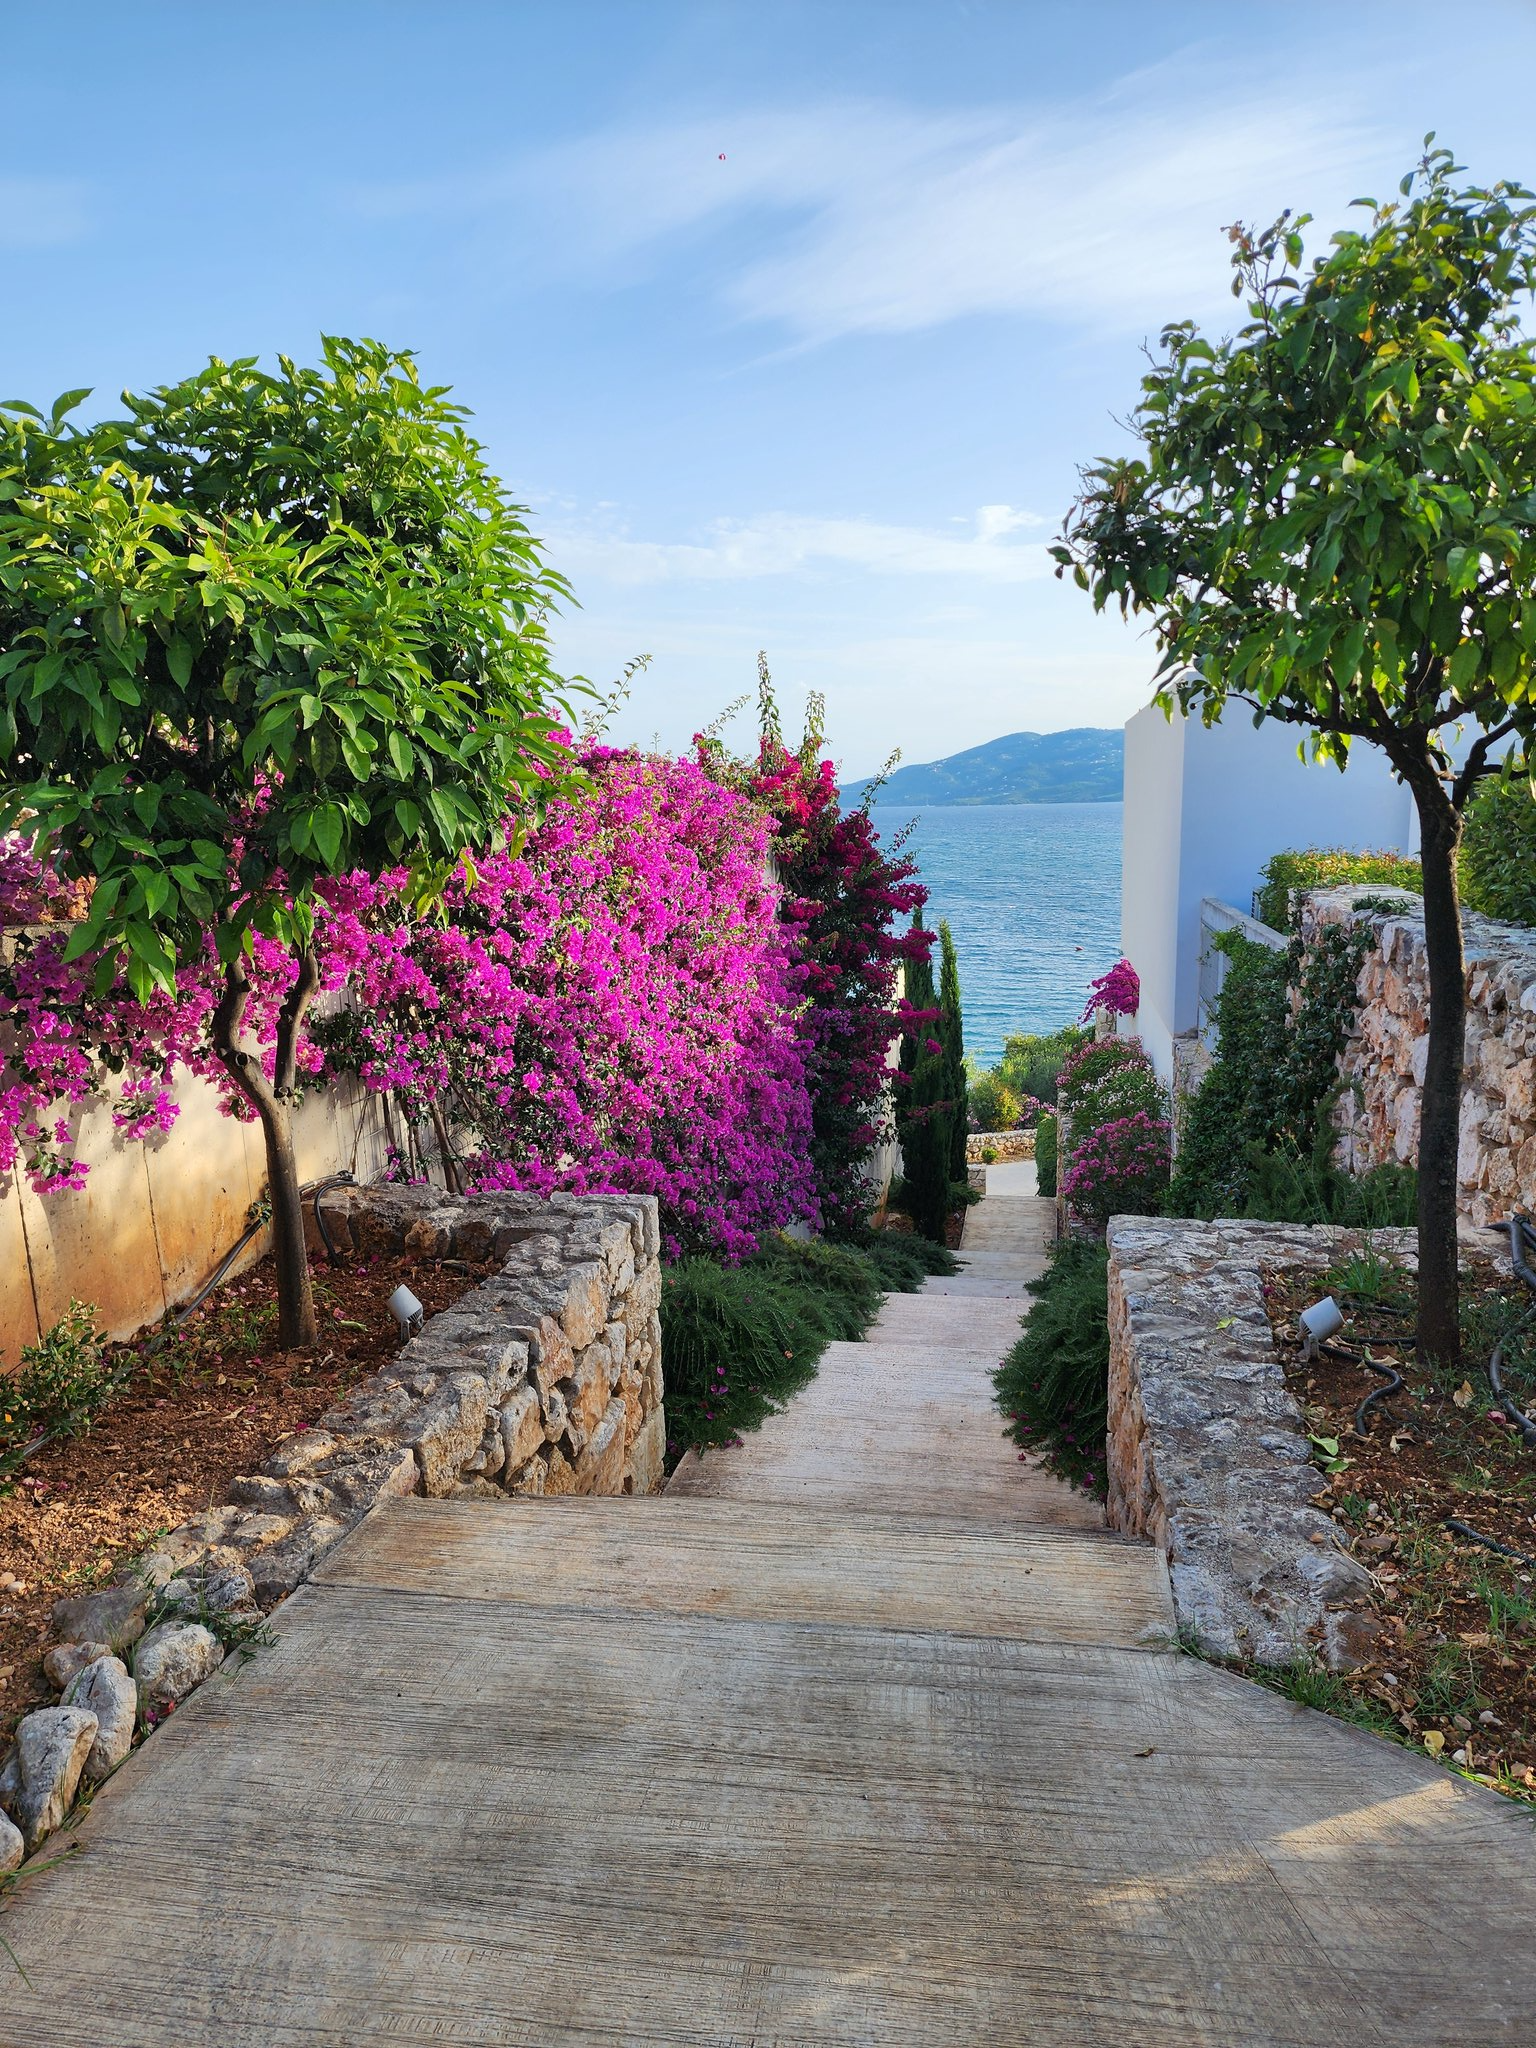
pixel 952 1038
pixel 1333 523
pixel 267 629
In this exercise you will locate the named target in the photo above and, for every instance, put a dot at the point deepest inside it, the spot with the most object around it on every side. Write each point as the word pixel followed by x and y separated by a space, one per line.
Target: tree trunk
pixel 297 1325
pixel 1440 1103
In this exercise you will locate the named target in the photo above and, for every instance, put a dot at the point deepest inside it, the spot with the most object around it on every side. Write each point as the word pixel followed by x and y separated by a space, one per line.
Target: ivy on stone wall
pixel 1258 1138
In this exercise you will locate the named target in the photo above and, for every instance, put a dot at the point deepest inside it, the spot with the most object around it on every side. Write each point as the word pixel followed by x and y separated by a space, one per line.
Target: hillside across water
pixel 1084 765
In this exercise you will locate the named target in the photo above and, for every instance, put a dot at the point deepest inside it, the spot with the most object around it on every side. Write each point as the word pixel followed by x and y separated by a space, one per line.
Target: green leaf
pixel 401 753
pixel 327 825
pixel 178 659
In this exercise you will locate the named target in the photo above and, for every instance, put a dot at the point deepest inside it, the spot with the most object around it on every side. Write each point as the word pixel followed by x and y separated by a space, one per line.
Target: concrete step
pixel 904 1428
pixel 754 1561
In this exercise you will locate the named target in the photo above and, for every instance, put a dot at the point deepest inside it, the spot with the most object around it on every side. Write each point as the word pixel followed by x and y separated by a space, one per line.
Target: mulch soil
pixel 211 1402
pixel 1454 1671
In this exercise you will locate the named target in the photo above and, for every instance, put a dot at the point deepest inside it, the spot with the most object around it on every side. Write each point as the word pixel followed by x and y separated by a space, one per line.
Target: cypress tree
pixel 922 1115
pixel 952 1038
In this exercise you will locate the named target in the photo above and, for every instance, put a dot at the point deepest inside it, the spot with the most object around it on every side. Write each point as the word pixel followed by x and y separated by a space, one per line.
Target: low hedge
pixel 1054 1384
pixel 1498 849
pixel 738 1340
pixel 1328 867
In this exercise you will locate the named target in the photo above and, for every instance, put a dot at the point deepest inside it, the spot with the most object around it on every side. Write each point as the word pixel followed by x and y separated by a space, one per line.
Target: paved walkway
pixel 865 1734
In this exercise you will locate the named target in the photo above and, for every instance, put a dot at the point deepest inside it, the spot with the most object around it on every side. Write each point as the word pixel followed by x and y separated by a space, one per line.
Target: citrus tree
pixel 1332 521
pixel 270 628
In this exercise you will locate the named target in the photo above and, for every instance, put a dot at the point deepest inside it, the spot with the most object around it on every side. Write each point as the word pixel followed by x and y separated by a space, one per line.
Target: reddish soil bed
pixel 1454 1671
pixel 211 1403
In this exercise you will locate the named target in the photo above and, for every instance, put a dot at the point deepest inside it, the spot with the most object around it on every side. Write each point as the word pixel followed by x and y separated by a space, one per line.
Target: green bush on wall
pixel 1328 867
pixel 1498 849
pixel 1045 1154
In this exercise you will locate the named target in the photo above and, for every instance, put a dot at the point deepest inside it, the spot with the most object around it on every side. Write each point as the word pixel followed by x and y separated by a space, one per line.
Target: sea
pixel 1032 895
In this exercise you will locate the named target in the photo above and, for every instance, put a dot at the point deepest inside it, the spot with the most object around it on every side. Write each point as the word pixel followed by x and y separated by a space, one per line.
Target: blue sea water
pixel 1032 894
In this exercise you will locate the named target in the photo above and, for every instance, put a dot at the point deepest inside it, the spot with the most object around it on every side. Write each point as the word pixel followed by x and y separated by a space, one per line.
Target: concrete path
pixel 863 1735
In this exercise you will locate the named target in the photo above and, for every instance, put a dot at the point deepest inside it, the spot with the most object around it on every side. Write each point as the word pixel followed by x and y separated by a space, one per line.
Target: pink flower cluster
pixel 1118 992
pixel 622 1001
pixel 1120 1168
pixel 615 1006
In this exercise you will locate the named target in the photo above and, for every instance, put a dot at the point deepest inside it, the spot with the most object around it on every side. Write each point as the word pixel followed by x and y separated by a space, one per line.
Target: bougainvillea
pixel 614 1006
pixel 850 901
pixel 1118 992
pixel 680 983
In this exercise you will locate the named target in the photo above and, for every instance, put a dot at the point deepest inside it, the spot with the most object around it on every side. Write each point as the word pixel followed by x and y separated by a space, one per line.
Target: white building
pixel 1205 808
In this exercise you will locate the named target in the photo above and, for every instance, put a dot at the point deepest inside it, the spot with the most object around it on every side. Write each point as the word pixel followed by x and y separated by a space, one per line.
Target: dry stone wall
pixel 1207 1454
pixel 1006 1145
pixel 1378 1115
pixel 544 1379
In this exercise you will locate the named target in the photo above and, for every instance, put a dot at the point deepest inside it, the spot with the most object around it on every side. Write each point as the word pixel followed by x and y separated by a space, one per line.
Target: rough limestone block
pixel 600 1469
pixel 586 1305
pixel 551 1357
pixel 173 1660
pixel 104 1689
pixel 522 1427
pixel 114 1616
pixel 66 1660
pixel 275 1572
pixel 51 1750
pixel 644 1465
pixel 446 1429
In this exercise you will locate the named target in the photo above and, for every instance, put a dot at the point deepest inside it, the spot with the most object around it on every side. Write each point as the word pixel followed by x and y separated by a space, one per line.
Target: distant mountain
pixel 1083 766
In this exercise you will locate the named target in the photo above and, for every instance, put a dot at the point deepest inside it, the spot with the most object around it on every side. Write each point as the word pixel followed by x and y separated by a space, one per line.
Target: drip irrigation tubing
pixel 167 1329
pixel 1394 1384
pixel 1471 1535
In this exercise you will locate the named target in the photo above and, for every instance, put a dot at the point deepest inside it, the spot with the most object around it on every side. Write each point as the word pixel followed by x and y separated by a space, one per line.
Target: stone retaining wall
pixel 1207 1453
pixel 544 1379
pixel 1378 1117
pixel 1008 1145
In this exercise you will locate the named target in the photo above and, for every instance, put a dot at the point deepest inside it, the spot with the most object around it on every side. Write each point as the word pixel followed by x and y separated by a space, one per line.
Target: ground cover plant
pixel 1451 1668
pixel 739 1339
pixel 1329 523
pixel 1053 1385
pixel 187 1408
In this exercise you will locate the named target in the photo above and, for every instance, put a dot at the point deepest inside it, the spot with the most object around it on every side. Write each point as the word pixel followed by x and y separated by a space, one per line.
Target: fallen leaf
pixel 1434 1741
pixel 1226 1322
pixel 1146 1752
pixel 1463 1395
pixel 1479 1639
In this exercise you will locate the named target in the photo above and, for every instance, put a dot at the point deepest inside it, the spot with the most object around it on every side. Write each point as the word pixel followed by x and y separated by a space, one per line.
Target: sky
pixel 791 324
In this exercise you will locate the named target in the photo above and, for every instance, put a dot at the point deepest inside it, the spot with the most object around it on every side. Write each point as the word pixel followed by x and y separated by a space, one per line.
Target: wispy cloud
pixel 781 544
pixel 871 217
pixel 36 213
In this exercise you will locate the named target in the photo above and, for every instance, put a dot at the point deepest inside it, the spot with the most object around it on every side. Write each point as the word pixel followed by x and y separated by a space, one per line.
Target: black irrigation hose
pixel 1519 1229
pixel 314 1188
pixel 1394 1385
pixel 1465 1529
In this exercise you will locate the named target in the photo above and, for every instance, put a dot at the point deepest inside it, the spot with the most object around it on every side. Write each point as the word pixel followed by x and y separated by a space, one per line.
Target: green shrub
pixel 1045 1154
pixel 1114 1094
pixel 1090 1064
pixel 1498 849
pixel 65 1380
pixel 1258 1138
pixel 737 1341
pixel 1328 867
pixel 1053 1386
pixel 993 1104
pixel 1031 1060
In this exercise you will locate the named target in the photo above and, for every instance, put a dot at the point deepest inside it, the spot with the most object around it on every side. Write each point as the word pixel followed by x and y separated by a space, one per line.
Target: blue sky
pixel 792 323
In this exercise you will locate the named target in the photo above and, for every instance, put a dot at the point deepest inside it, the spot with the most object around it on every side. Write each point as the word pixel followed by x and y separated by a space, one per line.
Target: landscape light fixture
pixel 407 1311
pixel 1324 1319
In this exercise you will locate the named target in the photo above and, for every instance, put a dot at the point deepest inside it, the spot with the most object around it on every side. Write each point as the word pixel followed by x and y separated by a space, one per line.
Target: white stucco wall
pixel 1205 808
